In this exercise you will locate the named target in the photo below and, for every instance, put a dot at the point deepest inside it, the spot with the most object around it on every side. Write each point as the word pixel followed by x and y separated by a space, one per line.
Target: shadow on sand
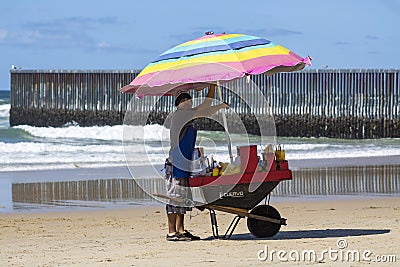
pixel 286 235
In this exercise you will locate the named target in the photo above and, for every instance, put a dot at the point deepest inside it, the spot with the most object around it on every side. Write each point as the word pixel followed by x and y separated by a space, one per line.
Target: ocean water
pixel 72 146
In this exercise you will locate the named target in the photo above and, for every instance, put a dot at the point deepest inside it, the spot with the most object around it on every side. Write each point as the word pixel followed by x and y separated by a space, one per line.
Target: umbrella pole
pixel 228 137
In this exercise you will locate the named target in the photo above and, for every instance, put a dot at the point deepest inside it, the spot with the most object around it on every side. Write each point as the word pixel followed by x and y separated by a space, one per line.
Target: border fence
pixel 340 103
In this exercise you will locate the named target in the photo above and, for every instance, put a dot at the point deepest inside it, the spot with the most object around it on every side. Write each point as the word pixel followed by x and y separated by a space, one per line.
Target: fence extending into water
pixel 321 103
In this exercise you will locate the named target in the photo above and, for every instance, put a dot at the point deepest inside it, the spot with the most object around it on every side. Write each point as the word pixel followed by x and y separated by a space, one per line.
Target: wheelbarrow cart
pixel 241 194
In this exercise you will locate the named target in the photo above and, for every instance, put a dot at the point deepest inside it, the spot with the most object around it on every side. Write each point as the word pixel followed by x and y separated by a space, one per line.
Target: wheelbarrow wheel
pixel 260 228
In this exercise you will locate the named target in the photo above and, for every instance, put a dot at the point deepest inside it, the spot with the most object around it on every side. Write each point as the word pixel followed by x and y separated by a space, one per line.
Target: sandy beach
pixel 136 236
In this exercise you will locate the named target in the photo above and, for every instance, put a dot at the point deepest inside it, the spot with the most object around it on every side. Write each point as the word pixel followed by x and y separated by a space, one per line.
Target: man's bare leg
pixel 179 222
pixel 172 222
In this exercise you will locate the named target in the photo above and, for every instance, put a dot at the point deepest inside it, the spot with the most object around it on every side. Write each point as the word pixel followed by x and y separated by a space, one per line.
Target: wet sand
pixel 58 192
pixel 136 236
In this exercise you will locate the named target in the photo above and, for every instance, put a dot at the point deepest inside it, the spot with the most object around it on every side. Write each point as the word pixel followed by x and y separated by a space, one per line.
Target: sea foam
pixel 116 132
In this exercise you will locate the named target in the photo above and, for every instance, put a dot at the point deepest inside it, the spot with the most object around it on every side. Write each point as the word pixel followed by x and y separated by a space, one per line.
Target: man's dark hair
pixel 180 97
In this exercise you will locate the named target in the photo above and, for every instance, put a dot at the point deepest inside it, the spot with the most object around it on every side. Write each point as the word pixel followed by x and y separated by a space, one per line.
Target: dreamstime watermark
pixel 339 254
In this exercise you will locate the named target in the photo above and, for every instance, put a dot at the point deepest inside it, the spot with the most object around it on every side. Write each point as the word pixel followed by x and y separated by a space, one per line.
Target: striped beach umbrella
pixel 210 58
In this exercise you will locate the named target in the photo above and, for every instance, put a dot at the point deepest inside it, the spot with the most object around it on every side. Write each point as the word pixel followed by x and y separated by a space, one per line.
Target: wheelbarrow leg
pixel 229 231
pixel 232 227
pixel 214 225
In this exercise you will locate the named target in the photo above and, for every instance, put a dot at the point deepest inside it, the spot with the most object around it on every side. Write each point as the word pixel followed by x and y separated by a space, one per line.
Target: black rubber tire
pixel 260 228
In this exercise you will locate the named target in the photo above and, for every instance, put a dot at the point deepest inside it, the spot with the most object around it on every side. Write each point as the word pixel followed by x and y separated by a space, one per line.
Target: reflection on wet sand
pixel 384 179
pixel 323 181
pixel 102 190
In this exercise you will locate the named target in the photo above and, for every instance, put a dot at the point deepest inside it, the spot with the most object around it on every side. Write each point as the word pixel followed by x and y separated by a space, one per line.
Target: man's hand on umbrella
pixel 202 111
pixel 224 105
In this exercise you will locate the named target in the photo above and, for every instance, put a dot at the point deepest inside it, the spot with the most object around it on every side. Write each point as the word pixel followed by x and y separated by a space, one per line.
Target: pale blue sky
pixel 123 34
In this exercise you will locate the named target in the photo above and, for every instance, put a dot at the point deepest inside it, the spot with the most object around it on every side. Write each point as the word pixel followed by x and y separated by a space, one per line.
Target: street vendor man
pixel 183 139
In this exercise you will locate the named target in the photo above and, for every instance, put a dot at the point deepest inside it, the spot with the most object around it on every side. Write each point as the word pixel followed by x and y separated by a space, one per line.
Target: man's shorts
pixel 177 188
